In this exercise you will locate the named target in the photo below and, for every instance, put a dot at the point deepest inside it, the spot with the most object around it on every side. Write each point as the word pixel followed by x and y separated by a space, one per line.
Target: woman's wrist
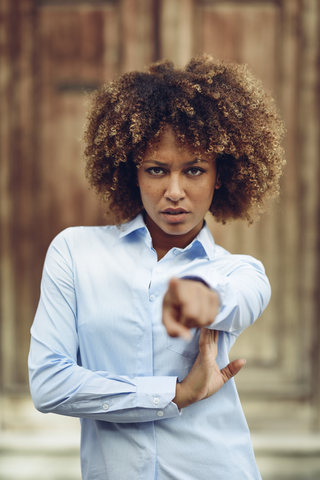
pixel 183 398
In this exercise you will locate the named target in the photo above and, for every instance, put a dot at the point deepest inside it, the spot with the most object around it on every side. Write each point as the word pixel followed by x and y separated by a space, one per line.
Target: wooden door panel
pixel 51 50
pixel 74 56
pixel 56 51
pixel 247 33
pixel 242 32
pixel 265 35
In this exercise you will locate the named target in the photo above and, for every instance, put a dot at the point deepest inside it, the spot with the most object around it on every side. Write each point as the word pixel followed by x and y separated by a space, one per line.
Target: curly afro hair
pixel 215 106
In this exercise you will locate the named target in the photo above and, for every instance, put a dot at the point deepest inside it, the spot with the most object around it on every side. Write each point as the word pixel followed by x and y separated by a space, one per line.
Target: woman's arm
pixel 58 382
pixel 228 303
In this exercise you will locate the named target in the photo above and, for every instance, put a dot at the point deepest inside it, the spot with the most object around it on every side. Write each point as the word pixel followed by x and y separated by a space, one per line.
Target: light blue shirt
pixel 99 351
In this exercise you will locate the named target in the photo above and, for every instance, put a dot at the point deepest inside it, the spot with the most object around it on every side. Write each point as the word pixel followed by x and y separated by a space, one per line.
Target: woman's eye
pixel 195 171
pixel 155 170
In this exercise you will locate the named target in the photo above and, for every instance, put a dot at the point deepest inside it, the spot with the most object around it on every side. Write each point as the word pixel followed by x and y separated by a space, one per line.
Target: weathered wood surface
pixel 50 50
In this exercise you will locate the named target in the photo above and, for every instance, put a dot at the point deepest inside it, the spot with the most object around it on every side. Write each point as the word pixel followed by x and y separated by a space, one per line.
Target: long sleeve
pixel 243 289
pixel 59 383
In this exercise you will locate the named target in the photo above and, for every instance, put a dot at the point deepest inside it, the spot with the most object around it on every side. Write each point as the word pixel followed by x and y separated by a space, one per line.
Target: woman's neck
pixel 162 242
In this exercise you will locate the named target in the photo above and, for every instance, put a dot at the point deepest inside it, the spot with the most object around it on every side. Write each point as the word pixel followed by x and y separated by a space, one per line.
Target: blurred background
pixel 51 52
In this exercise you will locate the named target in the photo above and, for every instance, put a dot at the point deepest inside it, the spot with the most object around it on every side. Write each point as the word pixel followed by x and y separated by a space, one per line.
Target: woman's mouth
pixel 174 215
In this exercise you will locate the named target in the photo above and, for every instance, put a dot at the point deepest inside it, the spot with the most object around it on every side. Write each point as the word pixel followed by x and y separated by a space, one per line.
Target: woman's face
pixel 176 190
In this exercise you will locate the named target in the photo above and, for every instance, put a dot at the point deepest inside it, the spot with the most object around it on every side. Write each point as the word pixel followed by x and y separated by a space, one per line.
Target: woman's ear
pixel 218 182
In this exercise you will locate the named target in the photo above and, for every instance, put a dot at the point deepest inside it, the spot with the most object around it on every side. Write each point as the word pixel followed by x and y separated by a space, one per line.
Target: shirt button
pixel 152 298
pixel 160 413
pixel 175 251
pixel 159 270
pixel 156 401
pixel 105 406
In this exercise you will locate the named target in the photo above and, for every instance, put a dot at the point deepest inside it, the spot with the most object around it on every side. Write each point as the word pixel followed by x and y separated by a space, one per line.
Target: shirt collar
pixel 204 237
pixel 206 240
pixel 136 224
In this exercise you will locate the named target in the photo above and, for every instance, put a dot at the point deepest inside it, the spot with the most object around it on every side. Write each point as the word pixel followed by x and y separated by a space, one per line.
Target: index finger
pixel 173 326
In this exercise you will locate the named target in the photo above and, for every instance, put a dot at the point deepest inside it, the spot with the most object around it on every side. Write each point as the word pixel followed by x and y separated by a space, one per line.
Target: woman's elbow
pixel 42 399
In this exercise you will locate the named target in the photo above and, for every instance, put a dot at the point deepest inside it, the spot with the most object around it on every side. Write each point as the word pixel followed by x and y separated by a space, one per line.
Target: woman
pixel 126 332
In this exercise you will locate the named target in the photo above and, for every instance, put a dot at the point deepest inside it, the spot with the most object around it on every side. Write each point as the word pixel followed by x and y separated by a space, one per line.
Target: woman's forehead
pixel 169 140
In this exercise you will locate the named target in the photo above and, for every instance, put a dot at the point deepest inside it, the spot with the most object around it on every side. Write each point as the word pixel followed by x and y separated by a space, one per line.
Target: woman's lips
pixel 174 216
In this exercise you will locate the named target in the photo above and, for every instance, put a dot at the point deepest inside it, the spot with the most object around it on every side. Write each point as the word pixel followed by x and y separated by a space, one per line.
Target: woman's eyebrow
pixel 196 161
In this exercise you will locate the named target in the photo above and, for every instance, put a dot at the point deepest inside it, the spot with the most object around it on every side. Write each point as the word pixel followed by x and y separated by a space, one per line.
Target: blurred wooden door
pixel 52 53
pixel 53 50
pixel 279 41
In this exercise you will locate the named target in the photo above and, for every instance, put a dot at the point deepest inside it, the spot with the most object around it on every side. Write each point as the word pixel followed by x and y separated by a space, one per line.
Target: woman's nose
pixel 174 190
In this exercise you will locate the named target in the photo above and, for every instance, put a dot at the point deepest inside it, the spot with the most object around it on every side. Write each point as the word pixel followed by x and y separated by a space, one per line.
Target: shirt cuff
pixel 154 398
pixel 195 279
